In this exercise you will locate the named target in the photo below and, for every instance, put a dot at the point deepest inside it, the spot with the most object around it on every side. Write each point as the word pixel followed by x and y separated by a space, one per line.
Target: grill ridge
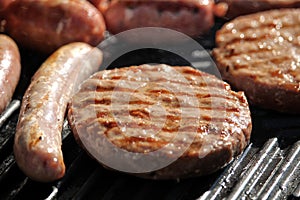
pixel 273 173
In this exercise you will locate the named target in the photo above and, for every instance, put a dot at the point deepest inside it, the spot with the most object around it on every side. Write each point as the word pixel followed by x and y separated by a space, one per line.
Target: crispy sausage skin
pixel 3 6
pixel 45 25
pixel 37 145
pixel 10 69
pixel 192 17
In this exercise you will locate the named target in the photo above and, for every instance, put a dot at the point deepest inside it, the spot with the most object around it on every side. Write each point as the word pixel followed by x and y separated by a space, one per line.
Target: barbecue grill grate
pixel 271 173
pixel 268 169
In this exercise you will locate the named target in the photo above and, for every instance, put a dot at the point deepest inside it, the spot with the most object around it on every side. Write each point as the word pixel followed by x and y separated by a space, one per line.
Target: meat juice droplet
pixel 50 150
pixel 229 26
pixel 262 19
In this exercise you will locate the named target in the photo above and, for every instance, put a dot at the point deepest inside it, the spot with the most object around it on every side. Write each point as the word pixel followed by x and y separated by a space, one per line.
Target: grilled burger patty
pixel 242 7
pixel 260 54
pixel 147 108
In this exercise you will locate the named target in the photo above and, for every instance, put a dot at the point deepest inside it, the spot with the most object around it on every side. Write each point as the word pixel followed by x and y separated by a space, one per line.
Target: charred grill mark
pixel 152 116
pixel 258 61
pixel 207 103
pixel 102 101
pixel 172 124
pixel 143 114
pixel 277 20
pixel 249 34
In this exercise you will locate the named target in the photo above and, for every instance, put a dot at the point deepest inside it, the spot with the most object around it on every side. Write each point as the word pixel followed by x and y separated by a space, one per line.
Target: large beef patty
pixel 162 112
pixel 260 55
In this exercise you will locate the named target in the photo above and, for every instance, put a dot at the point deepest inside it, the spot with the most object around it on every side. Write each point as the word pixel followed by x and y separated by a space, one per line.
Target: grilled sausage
pixel 190 17
pixel 10 69
pixel 3 6
pixel 45 25
pixel 37 144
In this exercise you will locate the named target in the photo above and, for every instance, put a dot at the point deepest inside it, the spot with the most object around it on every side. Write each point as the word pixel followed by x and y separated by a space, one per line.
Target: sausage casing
pixel 10 69
pixel 3 6
pixel 37 146
pixel 191 17
pixel 45 25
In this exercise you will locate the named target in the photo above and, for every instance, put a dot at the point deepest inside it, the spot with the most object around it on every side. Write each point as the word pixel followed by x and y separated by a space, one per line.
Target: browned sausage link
pixel 191 17
pixel 37 144
pixel 102 5
pixel 3 6
pixel 45 25
pixel 10 69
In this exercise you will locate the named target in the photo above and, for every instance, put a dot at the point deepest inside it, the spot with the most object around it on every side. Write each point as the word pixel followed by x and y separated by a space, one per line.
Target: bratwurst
pixel 192 17
pixel 10 69
pixel 37 144
pixel 45 25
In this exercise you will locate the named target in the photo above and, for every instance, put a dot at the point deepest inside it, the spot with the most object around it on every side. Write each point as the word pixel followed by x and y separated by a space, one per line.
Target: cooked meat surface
pixel 242 7
pixel 260 54
pixel 144 109
pixel 192 17
pixel 10 69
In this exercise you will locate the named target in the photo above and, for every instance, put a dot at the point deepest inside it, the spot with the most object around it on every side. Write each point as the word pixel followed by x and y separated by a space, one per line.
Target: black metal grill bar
pixel 6 165
pixel 256 182
pixel 19 188
pixel 53 194
pixel 80 167
pixel 229 177
pixel 66 130
pixel 89 183
pixel 272 173
pixel 286 178
pixel 11 108
pixel 297 192
pixel 257 165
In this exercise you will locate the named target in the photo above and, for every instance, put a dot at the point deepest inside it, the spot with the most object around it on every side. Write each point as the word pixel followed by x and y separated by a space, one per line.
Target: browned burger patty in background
pixel 260 54
pixel 221 131
pixel 242 7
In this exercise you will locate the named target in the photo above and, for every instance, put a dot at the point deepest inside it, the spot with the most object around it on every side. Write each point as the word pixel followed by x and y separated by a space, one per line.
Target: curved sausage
pixel 3 6
pixel 192 17
pixel 10 69
pixel 45 25
pixel 37 145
